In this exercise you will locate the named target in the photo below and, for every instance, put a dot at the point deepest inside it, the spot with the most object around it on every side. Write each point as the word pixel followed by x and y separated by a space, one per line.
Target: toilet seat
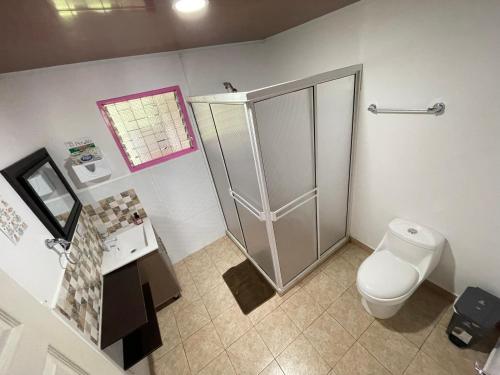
pixel 384 276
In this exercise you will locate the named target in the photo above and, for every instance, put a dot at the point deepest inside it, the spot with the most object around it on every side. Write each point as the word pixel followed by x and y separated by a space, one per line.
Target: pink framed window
pixel 150 127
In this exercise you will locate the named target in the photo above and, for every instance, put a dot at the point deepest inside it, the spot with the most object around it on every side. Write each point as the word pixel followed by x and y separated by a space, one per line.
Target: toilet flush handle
pixel 412 231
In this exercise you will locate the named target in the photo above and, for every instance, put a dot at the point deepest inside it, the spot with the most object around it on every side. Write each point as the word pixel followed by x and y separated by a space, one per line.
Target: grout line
pixel 373 356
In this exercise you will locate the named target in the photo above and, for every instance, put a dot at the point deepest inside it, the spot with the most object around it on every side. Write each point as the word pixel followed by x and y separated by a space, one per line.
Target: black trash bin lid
pixel 479 306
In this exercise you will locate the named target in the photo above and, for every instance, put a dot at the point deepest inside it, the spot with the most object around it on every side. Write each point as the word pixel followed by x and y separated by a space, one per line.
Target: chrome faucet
pixel 51 243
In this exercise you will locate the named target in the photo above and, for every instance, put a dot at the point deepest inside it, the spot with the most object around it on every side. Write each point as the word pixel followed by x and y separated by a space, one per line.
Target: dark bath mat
pixel 249 287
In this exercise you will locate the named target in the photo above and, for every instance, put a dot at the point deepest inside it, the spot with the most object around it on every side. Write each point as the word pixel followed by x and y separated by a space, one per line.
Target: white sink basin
pixel 128 244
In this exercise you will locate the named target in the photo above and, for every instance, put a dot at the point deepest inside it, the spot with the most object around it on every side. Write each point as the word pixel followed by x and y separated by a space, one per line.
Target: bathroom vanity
pixel 138 280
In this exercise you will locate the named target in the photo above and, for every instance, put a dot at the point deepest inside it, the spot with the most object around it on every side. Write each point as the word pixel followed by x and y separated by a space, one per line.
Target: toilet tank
pixel 414 243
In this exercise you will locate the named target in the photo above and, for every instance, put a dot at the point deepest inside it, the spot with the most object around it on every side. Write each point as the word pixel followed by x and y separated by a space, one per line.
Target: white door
pixel 34 341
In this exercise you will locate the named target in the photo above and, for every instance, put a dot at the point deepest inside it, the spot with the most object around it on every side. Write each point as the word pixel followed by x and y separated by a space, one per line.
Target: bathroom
pixel 64 65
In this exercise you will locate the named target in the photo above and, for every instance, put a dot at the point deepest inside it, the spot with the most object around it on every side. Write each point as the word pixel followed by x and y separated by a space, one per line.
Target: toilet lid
pixel 383 275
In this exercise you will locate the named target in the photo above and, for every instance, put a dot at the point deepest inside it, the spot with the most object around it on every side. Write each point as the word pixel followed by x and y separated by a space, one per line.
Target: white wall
pixel 242 64
pixel 29 262
pixel 46 107
pixel 439 171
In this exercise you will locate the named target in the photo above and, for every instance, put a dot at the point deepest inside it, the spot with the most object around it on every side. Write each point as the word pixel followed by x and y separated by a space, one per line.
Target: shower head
pixel 229 87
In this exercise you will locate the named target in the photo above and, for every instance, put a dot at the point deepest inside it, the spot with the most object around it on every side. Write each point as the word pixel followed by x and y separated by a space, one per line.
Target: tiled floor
pixel 319 327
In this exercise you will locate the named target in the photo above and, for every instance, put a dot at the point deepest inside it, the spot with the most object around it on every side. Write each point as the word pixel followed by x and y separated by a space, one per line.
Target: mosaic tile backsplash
pixel 79 298
pixel 116 212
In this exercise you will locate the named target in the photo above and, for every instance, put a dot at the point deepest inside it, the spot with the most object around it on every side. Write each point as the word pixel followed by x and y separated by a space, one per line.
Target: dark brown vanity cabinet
pixel 156 269
pixel 131 296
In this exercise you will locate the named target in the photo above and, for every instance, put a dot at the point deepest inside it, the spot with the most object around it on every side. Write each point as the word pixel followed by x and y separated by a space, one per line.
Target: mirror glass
pixel 51 190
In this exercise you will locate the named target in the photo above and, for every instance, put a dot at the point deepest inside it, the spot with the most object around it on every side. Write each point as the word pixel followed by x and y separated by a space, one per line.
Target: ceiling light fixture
pixel 189 6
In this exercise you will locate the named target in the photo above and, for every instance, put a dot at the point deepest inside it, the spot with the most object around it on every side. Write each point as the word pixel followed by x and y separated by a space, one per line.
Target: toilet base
pixel 380 311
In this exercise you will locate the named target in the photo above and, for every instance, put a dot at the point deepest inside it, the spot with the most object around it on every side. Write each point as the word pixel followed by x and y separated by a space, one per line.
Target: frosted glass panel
pixel 296 240
pixel 231 124
pixel 257 241
pixel 335 101
pixel 212 149
pixel 286 133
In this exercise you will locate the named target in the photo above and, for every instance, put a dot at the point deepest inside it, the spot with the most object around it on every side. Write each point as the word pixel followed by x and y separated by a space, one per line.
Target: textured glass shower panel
pixel 210 140
pixel 231 124
pixel 334 117
pixel 285 125
pixel 257 241
pixel 286 134
pixel 296 240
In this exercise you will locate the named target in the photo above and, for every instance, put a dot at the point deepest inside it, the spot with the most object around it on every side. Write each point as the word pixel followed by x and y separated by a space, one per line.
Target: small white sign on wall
pixel 11 224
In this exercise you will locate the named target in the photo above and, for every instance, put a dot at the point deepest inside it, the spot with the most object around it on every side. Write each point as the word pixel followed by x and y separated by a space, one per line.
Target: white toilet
pixel 405 257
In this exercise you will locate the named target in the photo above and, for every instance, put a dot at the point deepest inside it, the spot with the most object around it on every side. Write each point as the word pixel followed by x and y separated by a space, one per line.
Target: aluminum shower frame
pixel 248 100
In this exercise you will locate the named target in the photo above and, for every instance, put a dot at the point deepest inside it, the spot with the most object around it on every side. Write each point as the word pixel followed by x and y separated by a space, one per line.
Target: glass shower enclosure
pixel 280 159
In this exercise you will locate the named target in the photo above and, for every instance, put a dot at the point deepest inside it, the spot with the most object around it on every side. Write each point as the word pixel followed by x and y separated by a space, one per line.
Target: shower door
pixel 210 140
pixel 231 124
pixel 285 127
pixel 334 120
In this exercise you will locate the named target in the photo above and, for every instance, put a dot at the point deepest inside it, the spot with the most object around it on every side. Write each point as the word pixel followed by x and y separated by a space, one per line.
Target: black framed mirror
pixel 42 186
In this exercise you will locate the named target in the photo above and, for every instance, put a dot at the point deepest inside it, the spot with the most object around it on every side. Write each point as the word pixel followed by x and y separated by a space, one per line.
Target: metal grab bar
pixel 436 109
pixel 254 211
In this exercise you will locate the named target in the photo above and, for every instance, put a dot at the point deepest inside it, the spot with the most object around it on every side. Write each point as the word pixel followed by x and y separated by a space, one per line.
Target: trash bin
pixel 476 315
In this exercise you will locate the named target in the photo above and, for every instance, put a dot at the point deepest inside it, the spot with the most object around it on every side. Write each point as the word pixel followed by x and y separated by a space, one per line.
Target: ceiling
pixel 40 33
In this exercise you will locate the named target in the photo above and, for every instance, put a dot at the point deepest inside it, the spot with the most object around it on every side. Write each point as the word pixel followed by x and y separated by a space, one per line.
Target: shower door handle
pixel 294 204
pixel 246 204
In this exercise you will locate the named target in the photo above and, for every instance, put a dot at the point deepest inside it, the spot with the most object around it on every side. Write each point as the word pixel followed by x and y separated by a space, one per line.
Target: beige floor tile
pixel 412 324
pixel 445 319
pixel 357 361
pixel 172 363
pixel 429 303
pixel 223 255
pixel 207 279
pixel 249 354
pixel 272 369
pixel 329 338
pixel 281 299
pixel 277 331
pixel 190 319
pixel 324 289
pixel 225 262
pixel 389 347
pixel 202 347
pixel 341 271
pixel 228 246
pixel 231 325
pixel 300 357
pixel 302 309
pixel 457 361
pixel 306 280
pixel 182 274
pixel 169 332
pixel 355 255
pixel 217 247
pixel 197 262
pixel 219 366
pixel 263 310
pixel 218 300
pixel 422 364
pixel 349 312
pixel 189 294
